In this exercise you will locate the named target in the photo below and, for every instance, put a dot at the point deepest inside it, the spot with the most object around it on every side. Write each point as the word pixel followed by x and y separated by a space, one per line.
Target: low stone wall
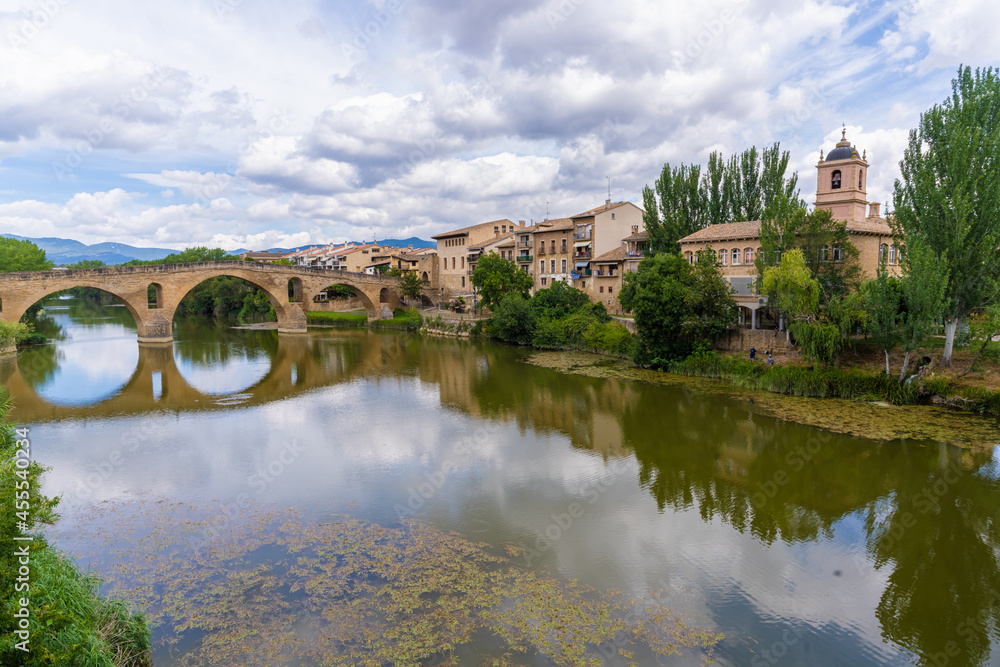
pixel 741 340
pixel 629 324
pixel 336 305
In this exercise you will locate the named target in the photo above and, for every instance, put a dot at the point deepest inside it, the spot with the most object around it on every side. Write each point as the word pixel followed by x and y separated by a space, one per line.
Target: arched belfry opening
pixel 835 180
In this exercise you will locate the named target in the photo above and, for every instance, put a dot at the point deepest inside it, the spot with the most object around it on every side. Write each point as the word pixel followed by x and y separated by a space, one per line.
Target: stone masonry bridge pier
pixel 290 289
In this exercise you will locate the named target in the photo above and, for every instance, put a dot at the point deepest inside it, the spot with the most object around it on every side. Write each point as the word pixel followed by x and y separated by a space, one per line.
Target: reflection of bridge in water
pixel 300 364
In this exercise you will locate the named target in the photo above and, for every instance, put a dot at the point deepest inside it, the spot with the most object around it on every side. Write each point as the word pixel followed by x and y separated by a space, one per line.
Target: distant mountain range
pixel 67 251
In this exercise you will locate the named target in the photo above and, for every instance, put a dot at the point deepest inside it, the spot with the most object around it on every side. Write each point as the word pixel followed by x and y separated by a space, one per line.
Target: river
pixel 345 495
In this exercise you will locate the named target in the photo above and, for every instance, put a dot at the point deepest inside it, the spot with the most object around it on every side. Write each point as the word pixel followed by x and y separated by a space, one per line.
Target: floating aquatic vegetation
pixel 260 586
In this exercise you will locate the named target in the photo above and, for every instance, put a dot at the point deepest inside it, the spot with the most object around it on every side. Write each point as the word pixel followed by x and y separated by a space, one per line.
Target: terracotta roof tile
pixel 553 225
pixel 871 226
pixel 727 231
pixel 616 255
pixel 465 230
pixel 600 209
pixel 733 231
pixel 641 236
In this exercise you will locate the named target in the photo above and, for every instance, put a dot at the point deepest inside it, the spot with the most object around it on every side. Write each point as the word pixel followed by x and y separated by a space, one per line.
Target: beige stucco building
pixel 453 249
pixel 842 179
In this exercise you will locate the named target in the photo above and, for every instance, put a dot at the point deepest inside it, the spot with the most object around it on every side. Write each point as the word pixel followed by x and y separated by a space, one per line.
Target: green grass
pixel 350 318
pixel 401 319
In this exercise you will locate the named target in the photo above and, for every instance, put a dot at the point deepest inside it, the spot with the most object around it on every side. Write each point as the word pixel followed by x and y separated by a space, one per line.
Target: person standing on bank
pixel 753 353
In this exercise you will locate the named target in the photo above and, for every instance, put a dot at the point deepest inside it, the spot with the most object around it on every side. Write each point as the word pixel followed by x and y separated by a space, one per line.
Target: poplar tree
pixel 745 187
pixel 949 193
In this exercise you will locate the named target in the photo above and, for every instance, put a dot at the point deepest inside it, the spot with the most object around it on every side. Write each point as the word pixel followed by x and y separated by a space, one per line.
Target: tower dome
pixel 844 150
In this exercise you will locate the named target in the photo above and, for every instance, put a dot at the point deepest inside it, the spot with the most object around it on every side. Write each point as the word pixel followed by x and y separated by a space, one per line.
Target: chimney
pixel 874 209
pixel 607 203
pixel 409 247
pixel 635 229
pixel 520 223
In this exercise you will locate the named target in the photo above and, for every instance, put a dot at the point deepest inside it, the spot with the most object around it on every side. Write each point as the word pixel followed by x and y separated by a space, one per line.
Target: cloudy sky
pixel 245 123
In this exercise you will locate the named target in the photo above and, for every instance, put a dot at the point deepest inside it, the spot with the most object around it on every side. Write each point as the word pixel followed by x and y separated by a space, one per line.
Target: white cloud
pixel 253 122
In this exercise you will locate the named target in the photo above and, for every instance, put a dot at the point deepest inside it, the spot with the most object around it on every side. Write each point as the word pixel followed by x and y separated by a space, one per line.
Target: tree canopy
pixel 677 305
pixel 684 199
pixel 496 277
pixel 949 193
pixel 21 255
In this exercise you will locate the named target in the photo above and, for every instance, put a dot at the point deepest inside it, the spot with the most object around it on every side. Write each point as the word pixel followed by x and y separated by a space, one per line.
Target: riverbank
pixel 68 621
pixel 860 377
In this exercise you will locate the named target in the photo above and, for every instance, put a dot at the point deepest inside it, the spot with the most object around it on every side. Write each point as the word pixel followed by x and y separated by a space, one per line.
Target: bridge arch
pixel 29 297
pixel 278 292
pixel 313 290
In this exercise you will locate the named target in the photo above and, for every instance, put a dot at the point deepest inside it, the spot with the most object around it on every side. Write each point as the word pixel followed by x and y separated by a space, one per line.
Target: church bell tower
pixel 842 182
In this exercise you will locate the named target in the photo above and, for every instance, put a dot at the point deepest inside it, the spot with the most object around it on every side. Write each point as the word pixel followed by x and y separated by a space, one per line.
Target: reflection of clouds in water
pixel 235 374
pixel 89 371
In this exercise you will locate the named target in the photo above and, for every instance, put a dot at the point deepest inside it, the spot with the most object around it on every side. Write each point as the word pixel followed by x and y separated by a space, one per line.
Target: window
pixel 601 290
pixel 541 266
pixel 610 289
pixel 838 254
pixel 445 260
pixel 453 263
pixel 505 229
pixel 824 254
pixel 463 262
pixel 463 281
pixel 736 256
pixel 892 254
pixel 748 255
pixel 553 246
pixel 882 251
pixel 724 257
pixel 543 281
pixel 835 180
pixel 612 216
pixel 861 177
pixel 564 245
pixel 552 266
pixel 689 257
pixel 563 266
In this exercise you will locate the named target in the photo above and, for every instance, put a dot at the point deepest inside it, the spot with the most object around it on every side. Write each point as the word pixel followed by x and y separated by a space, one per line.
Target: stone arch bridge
pixel 290 289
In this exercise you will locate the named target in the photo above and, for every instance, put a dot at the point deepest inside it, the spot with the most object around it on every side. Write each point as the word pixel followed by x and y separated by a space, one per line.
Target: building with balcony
pixel 599 231
pixel 553 248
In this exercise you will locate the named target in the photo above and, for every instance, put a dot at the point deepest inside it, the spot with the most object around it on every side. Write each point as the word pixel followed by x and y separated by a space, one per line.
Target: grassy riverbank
pixel 403 320
pixel 857 383
pixel 54 615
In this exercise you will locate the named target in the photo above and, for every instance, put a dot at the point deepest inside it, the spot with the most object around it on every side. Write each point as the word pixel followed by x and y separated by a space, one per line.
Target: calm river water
pixel 312 498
